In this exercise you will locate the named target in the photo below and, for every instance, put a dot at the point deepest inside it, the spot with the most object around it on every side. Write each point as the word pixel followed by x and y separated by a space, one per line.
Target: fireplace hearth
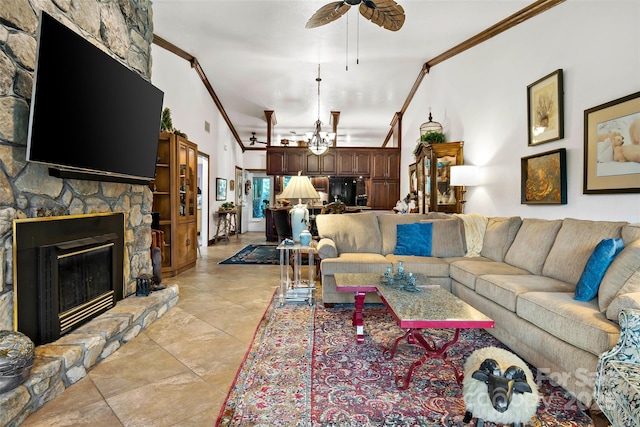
pixel 68 271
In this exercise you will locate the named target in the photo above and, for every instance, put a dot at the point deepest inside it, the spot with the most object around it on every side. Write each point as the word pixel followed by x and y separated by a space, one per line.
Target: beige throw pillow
pixel 501 231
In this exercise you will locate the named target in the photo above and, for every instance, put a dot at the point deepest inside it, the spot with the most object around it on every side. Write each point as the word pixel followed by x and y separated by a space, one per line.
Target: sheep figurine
pixel 498 387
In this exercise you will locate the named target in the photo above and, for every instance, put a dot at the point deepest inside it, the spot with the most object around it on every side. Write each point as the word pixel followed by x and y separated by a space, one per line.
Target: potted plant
pixel 433 138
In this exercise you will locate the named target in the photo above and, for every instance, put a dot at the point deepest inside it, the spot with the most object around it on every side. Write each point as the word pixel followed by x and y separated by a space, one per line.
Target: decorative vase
pixel 305 237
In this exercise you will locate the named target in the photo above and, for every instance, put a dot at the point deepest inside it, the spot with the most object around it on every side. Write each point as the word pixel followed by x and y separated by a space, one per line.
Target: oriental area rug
pixel 304 368
pixel 255 254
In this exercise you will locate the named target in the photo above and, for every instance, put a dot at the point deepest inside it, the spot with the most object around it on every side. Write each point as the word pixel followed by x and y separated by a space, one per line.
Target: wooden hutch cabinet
pixel 175 201
pixel 433 163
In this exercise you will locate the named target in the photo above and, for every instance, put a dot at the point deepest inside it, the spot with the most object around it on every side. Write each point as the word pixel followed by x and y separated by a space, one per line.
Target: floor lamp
pixel 464 176
pixel 299 187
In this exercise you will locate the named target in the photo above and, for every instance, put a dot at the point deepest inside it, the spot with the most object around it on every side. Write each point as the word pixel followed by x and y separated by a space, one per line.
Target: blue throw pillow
pixel 414 239
pixel 602 256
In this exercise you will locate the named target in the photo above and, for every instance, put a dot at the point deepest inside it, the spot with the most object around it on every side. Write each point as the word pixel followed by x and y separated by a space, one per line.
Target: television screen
pixel 90 113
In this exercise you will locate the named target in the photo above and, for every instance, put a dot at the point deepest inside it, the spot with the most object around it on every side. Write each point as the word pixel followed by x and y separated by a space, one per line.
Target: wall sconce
pixel 464 176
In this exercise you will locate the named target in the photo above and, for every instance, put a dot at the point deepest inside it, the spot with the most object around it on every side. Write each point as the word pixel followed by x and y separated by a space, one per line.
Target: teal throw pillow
pixel 602 256
pixel 414 239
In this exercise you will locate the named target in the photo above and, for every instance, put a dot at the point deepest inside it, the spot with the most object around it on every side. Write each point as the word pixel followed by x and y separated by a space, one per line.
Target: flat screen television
pixel 91 117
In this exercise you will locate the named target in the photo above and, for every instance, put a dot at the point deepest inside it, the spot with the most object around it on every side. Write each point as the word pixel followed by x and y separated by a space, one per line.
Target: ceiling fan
pixel 253 139
pixel 384 13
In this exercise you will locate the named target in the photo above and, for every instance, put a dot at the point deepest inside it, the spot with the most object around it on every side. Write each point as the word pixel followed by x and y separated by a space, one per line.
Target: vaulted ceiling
pixel 259 56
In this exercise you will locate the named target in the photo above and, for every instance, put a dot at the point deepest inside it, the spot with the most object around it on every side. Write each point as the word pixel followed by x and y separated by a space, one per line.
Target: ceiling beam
pixel 520 16
pixel 270 115
pixel 159 41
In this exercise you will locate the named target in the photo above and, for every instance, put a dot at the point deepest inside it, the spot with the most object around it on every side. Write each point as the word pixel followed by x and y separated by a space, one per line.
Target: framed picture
pixel 612 147
pixel 545 108
pixel 232 185
pixel 221 189
pixel 544 178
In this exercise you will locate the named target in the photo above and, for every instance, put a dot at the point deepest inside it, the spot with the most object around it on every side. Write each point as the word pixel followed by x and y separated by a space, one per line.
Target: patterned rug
pixel 304 368
pixel 255 254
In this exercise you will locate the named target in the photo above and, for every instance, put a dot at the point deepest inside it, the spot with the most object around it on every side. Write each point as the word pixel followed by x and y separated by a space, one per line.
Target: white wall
pixel 191 105
pixel 480 96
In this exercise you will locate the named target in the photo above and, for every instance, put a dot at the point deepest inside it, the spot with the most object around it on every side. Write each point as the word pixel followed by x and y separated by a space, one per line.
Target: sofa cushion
pixel 532 244
pixel 500 233
pixel 447 237
pixel 622 276
pixel 466 271
pixel 475 225
pixel 388 228
pixel 573 246
pixel 602 256
pixel 429 266
pixel 327 248
pixel 505 289
pixel 355 263
pixel 578 323
pixel 358 232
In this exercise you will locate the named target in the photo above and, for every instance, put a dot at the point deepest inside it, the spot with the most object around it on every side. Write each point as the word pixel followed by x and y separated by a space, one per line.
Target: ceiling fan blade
pixel 387 13
pixel 327 13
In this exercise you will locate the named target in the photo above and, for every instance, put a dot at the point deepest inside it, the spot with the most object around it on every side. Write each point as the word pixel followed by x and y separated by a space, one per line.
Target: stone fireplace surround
pixel 124 29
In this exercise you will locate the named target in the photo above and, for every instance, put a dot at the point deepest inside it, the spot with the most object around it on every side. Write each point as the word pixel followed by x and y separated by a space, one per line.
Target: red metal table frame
pixel 432 308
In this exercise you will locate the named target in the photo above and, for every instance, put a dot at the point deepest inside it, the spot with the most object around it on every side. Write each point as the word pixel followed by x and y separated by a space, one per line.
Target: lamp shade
pixel 464 175
pixel 299 187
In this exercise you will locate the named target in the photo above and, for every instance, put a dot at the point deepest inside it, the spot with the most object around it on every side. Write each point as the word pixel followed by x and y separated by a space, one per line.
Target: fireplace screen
pixel 84 279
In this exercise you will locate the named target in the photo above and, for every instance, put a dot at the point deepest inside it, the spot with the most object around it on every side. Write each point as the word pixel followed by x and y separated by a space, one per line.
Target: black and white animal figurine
pixel 498 387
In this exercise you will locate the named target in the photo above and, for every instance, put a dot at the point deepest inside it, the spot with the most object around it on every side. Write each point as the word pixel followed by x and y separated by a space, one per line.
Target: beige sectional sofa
pixel 520 272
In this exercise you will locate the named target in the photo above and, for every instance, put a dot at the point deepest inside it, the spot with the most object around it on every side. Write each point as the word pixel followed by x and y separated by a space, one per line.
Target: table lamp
pixel 299 187
pixel 464 176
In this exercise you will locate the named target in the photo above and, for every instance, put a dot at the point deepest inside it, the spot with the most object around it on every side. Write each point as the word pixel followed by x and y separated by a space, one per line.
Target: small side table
pixel 293 288
pixel 226 225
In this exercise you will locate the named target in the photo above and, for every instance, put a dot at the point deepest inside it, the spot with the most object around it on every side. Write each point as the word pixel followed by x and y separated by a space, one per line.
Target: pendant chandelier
pixel 319 141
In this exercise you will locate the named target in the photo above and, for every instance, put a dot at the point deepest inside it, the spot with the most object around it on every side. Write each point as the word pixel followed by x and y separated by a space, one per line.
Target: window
pixel 261 196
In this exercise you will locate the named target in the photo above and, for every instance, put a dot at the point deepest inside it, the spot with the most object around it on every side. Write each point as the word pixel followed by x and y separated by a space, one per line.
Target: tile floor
pixel 179 370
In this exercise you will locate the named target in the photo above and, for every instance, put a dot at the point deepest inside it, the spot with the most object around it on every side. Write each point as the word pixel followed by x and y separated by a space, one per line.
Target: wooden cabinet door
pixel 187 243
pixel 362 163
pixel 321 165
pixel 386 165
pixel 295 162
pixel 276 162
pixel 354 163
pixel 384 194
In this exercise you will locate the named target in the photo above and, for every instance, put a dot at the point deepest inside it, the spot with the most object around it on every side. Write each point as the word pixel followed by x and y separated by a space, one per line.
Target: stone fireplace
pixel 69 270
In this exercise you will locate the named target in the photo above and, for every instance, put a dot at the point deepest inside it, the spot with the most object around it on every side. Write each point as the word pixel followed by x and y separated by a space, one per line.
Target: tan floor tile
pixel 164 403
pixel 98 414
pixel 118 376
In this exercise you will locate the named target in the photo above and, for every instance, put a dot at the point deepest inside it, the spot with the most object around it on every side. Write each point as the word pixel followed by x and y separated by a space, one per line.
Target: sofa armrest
pixel 327 248
pixel 626 352
pixel 627 349
pixel 629 300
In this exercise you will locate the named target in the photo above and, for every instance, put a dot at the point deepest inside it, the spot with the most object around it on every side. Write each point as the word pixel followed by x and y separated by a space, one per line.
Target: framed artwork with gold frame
pixel 544 178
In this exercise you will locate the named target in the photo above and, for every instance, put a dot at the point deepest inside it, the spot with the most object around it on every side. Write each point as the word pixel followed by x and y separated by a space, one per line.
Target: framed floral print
pixel 545 108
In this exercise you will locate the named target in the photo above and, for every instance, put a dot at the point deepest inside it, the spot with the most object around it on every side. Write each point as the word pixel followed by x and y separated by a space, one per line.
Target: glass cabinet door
pixel 182 180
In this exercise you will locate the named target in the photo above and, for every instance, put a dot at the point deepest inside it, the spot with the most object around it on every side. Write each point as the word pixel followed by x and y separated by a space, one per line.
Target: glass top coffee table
pixel 430 308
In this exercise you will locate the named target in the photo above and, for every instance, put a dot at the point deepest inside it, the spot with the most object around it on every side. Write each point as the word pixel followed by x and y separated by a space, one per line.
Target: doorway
pixel 203 199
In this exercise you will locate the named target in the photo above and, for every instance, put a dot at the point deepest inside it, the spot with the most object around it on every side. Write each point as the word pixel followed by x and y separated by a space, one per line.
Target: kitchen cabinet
pixel 384 194
pixel 286 161
pixel 354 162
pixel 321 165
pixel 386 164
